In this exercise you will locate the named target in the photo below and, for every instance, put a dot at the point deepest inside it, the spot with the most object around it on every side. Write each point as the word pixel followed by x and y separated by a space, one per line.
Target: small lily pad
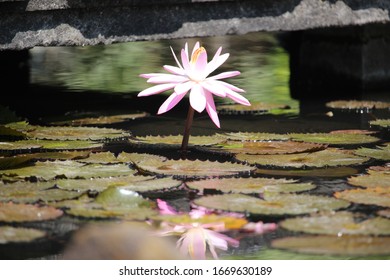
pixel 193 168
pixel 374 179
pixel 338 223
pixel 268 147
pixel 15 234
pixel 317 172
pixel 254 136
pixel 324 158
pixel 250 185
pixel 335 139
pixel 381 153
pixel 10 212
pixel 347 245
pixel 271 204
pixel 385 123
pixel 371 196
pixel 358 104
pixel 49 170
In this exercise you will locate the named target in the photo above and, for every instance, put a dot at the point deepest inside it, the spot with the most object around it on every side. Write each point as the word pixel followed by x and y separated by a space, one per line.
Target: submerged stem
pixel 186 135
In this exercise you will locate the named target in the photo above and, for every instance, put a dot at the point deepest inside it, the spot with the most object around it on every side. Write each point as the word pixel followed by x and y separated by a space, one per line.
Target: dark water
pixel 72 80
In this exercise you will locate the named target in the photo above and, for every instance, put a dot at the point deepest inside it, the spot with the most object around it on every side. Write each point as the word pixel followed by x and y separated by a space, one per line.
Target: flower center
pixel 196 74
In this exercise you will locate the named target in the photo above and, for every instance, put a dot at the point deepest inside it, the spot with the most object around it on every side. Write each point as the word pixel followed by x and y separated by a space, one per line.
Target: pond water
pixel 316 173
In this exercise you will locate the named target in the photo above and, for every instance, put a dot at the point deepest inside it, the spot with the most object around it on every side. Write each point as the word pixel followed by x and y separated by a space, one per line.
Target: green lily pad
pixel 329 157
pixel 267 147
pixel 49 170
pixel 100 119
pixel 193 168
pixel 347 245
pixel 317 172
pixel 114 196
pixel 75 133
pixel 371 196
pixel 136 158
pixel 272 204
pixel 254 136
pixel 335 139
pixel 177 140
pixel 14 129
pixel 27 192
pixel 376 177
pixel 26 145
pixel 10 212
pixel 385 123
pixel 358 104
pixel 338 223
pixel 19 145
pixel 14 234
pixel 381 153
pixel 257 107
pixel 250 185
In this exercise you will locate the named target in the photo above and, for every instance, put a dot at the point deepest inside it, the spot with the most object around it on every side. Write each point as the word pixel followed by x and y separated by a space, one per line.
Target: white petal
pixel 225 75
pixel 171 102
pixel 156 89
pixel 183 88
pixel 230 86
pixel 216 62
pixel 177 61
pixel 167 78
pixel 238 98
pixel 197 98
pixel 211 110
pixel 184 60
pixel 213 87
pixel 174 70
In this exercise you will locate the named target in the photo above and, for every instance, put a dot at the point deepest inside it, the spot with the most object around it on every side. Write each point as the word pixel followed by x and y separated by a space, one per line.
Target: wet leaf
pixel 100 119
pixel 271 204
pixel 335 139
pixel 114 196
pixel 324 158
pixel 254 136
pixel 13 234
pixel 49 170
pixel 10 212
pixel 371 196
pixel 193 168
pixel 381 123
pixel 268 147
pixel 358 104
pixel 376 178
pixel 250 185
pixel 177 139
pixel 347 245
pixel 339 223
pixel 317 172
pixel 380 153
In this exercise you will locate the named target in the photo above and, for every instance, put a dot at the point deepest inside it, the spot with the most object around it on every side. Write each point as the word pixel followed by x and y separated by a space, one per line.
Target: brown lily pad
pixel 358 104
pixel 254 136
pixel 371 196
pixel 15 234
pixel 328 172
pixel 376 178
pixel 177 140
pixel 10 212
pixel 380 153
pixel 335 139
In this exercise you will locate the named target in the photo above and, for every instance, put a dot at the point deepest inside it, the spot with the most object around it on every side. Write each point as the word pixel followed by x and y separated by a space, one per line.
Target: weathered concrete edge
pixel 76 27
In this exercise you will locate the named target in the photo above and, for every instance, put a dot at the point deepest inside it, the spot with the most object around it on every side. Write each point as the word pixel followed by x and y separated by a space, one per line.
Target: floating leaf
pixel 250 185
pixel 381 153
pixel 381 123
pixel 102 157
pixel 14 234
pixel 10 212
pixel 376 178
pixel 335 139
pixel 254 136
pixel 338 223
pixel 271 204
pixel 193 168
pixel 318 172
pixel 19 145
pixel 268 147
pixel 15 129
pixel 177 139
pixel 347 245
pixel 256 107
pixel 136 158
pixel 358 104
pixel 69 169
pixel 121 197
pixel 328 157
pixel 384 213
pixel 100 119
pixel 371 196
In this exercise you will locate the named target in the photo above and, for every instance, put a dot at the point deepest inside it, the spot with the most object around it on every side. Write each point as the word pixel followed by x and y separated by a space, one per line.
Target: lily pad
pixel 101 119
pixel 384 213
pixel 193 168
pixel 14 129
pixel 335 139
pixel 14 234
pixel 177 139
pixel 385 123
pixel 374 179
pixel 381 153
pixel 371 196
pixel 271 204
pixel 339 223
pixel 49 170
pixel 257 107
pixel 358 104
pixel 250 185
pixel 329 157
pixel 317 172
pixel 136 158
pixel 347 245
pixel 254 136
pixel 10 212
pixel 268 147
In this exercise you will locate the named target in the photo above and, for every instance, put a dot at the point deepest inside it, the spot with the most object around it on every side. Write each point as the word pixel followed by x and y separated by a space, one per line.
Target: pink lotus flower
pixel 192 75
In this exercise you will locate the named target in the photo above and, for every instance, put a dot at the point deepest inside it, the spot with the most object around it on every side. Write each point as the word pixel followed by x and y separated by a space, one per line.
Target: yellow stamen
pixel 196 54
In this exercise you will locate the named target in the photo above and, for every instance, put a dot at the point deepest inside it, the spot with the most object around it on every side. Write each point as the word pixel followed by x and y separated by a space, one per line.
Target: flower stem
pixel 186 135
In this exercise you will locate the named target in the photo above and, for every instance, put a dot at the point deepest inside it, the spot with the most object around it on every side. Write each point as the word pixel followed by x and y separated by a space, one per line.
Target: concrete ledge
pixel 25 24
